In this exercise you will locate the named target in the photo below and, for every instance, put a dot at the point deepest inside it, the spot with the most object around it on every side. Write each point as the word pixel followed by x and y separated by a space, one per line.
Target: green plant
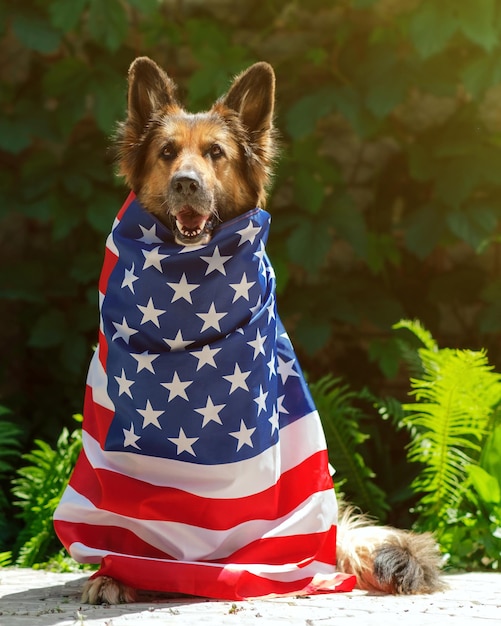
pixel 456 439
pixel 10 449
pixel 38 488
pixel 342 422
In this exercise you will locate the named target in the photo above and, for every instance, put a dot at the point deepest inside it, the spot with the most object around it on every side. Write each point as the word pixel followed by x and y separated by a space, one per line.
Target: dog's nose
pixel 186 184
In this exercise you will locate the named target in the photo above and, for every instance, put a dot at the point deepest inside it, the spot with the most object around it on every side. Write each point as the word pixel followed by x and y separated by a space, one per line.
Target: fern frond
pixel 341 421
pixel 455 400
pixel 38 488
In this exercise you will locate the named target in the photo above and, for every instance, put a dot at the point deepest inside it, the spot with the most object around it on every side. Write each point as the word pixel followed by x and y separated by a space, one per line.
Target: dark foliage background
pixel 386 202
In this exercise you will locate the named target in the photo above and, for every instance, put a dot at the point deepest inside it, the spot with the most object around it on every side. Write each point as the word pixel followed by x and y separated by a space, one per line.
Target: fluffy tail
pixel 386 559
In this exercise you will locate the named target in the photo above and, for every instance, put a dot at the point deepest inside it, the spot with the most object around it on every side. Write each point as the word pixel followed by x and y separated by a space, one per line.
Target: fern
pixel 455 400
pixel 9 451
pixel 341 422
pixel 38 488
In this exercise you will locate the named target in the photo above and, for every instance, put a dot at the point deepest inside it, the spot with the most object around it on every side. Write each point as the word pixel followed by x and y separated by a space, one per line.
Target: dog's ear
pixel 252 95
pixel 150 89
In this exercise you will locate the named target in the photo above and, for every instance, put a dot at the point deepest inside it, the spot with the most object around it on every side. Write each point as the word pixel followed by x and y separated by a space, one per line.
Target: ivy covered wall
pixel 385 205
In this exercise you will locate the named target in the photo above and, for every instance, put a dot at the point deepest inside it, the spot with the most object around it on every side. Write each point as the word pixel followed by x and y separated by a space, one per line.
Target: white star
pixel 178 343
pixel 215 262
pixel 272 365
pixel 260 253
pixel 286 369
pixel 242 288
pixel 150 416
pixel 237 379
pixel 255 309
pixel 124 331
pixel 211 412
pixel 183 289
pixel 261 400
pixel 248 233
pixel 130 437
pixel 206 356
pixel 149 235
pixel 280 405
pixel 150 314
pixel 177 387
pixel 145 361
pixel 124 385
pixel 129 278
pixel 271 310
pixel 184 443
pixel 243 435
pixel 211 318
pixel 257 344
pixel 153 258
pixel 274 420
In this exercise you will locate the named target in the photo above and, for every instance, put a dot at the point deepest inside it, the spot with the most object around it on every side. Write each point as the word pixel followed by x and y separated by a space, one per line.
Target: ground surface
pixel 31 598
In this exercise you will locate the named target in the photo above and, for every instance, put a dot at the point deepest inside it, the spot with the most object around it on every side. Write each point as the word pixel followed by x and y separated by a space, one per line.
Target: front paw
pixel 104 589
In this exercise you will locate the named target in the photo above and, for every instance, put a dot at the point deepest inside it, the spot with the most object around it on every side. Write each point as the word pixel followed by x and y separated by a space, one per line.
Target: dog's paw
pixel 104 589
pixel 408 564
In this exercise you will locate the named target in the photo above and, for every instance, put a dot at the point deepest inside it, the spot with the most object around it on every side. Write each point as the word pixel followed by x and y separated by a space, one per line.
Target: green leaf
pixel 476 19
pixel 491 453
pixel 431 27
pixel 35 32
pixel 308 245
pixel 350 225
pixel 65 15
pixel 102 210
pixel 309 190
pixel 388 80
pixel 458 178
pixel 423 230
pixel 109 96
pixel 145 7
pixel 313 333
pixel 15 135
pixel 486 486
pixel 475 224
pixel 108 23
pixel 49 330
pixel 386 353
pixel 302 117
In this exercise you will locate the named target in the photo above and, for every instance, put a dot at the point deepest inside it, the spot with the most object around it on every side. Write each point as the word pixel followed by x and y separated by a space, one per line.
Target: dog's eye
pixel 168 152
pixel 216 151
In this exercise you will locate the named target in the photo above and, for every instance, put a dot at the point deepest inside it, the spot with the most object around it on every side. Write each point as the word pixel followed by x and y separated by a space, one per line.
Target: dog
pixel 194 172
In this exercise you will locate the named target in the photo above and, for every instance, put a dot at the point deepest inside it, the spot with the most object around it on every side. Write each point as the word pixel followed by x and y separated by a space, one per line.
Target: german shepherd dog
pixel 193 172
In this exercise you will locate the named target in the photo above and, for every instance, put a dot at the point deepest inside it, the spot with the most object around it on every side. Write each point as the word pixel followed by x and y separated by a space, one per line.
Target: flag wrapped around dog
pixel 204 467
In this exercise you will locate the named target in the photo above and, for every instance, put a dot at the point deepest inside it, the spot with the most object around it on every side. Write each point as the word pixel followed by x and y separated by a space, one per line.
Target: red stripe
pixel 128 496
pixel 300 549
pixel 103 349
pixel 211 582
pixel 110 260
pixel 97 418
pixel 107 538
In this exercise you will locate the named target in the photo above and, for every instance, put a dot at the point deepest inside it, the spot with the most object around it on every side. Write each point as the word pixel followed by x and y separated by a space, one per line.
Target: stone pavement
pixel 39 598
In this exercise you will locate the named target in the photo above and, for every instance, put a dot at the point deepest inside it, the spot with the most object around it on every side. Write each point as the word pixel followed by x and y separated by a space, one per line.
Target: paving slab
pixel 40 598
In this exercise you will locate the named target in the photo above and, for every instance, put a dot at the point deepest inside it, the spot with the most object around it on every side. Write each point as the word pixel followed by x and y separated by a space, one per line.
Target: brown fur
pixel 226 156
pixel 227 152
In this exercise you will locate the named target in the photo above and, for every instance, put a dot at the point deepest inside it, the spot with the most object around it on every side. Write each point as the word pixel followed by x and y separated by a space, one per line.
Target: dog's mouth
pixel 191 227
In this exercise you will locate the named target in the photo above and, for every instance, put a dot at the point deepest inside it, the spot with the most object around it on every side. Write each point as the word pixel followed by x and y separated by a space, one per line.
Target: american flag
pixel 204 468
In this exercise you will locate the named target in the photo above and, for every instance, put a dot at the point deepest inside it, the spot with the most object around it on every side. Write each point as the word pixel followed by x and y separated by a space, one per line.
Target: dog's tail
pixel 386 559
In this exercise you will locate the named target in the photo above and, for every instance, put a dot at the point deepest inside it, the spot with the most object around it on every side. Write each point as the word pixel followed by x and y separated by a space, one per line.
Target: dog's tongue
pixel 191 219
pixel 190 223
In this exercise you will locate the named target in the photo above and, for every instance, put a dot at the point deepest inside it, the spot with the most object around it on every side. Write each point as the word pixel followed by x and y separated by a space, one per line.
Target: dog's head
pixel 193 170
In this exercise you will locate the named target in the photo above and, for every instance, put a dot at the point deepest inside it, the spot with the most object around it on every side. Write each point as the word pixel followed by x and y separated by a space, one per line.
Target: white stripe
pixel 98 381
pixel 110 242
pixel 192 543
pixel 282 573
pixel 298 441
